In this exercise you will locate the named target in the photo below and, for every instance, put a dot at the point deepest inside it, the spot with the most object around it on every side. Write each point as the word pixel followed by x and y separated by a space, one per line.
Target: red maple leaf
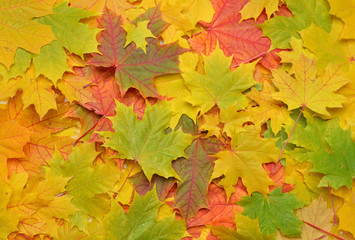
pixel 242 40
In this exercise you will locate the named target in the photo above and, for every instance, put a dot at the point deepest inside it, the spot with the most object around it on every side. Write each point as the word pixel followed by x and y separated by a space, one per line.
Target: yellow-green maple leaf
pixel 140 222
pixel 244 160
pixel 87 185
pixel 219 85
pixel 138 34
pixel 303 86
pixel 18 30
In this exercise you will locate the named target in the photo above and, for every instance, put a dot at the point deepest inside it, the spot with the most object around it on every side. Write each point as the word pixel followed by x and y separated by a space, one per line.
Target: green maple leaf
pixel 280 29
pixel 140 221
pixel 274 213
pixel 330 149
pixel 145 141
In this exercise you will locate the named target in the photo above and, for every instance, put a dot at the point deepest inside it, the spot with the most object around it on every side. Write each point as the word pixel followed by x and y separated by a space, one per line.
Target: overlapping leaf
pixel 242 40
pixel 134 68
pixel 146 141
pixel 191 122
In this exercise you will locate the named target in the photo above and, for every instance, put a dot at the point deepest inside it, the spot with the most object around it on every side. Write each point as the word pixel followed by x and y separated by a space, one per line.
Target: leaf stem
pixel 322 230
pixel 89 84
pixel 289 136
pixel 331 199
pixel 129 174
pixel 85 133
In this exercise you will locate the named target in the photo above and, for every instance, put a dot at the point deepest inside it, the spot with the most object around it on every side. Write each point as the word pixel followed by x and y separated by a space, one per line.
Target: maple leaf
pixel 183 14
pixel 195 171
pixel 221 210
pixel 117 6
pixel 254 8
pixel 51 62
pixel 87 182
pixel 12 139
pixel 142 185
pixel 8 218
pixel 346 217
pixel 281 29
pixel 73 87
pixel 246 229
pixel 140 221
pixel 207 90
pixel 138 34
pixel 233 120
pixel 21 31
pixel 146 141
pixel 329 148
pixel 173 86
pixel 307 88
pixel 134 68
pixel 243 160
pixel 344 11
pixel 332 49
pixel 268 108
pixel 22 60
pixel 275 212
pixel 242 40
pixel 318 215
pixel 37 91
pixel 73 35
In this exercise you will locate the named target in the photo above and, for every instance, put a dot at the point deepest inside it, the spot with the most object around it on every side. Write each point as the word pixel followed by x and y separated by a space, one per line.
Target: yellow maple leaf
pixel 345 11
pixel 244 160
pixel 210 124
pixel 37 91
pixel 172 34
pixel 117 6
pixel 12 139
pixel 308 88
pixel 268 108
pixel 254 8
pixel 233 120
pixel 184 14
pixel 346 216
pixel 18 30
pixel 332 49
pixel 125 189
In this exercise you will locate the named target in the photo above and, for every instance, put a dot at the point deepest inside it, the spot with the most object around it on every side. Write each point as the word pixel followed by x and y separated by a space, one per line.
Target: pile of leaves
pixel 177 119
